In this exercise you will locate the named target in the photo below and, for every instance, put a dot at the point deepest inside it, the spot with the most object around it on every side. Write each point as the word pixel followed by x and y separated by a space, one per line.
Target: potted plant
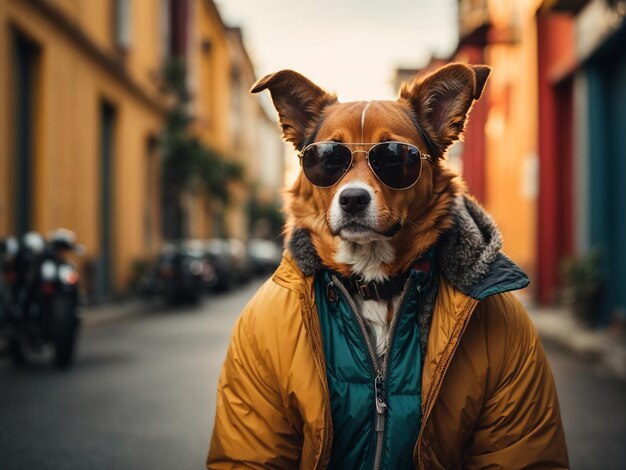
pixel 583 282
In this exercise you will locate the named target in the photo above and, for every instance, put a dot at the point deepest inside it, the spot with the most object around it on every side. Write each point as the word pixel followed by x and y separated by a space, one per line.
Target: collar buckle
pixel 369 290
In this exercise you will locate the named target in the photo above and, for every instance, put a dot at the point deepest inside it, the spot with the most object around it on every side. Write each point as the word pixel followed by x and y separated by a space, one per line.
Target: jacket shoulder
pixel 510 337
pixel 505 315
pixel 272 323
pixel 272 303
pixel 278 303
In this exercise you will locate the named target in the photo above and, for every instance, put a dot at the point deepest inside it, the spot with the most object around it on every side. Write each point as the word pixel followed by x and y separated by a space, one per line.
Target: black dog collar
pixel 386 290
pixel 376 290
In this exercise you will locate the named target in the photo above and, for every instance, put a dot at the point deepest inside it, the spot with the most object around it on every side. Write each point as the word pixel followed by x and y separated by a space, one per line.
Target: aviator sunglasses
pixel 396 164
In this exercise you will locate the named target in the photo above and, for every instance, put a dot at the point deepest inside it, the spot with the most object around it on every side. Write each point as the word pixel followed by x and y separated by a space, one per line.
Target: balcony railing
pixel 473 15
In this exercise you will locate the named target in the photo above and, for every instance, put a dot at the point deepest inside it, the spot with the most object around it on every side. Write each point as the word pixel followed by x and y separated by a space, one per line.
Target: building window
pixel 236 121
pixel 26 55
pixel 122 25
pixel 174 28
pixel 108 124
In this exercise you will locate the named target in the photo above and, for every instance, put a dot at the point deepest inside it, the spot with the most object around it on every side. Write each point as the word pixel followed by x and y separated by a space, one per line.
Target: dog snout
pixel 354 200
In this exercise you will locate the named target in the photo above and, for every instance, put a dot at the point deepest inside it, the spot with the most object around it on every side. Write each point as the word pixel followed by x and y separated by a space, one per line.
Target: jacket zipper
pixel 380 380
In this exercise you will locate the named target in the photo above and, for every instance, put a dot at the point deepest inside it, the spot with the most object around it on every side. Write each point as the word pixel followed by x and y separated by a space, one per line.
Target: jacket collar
pixel 470 256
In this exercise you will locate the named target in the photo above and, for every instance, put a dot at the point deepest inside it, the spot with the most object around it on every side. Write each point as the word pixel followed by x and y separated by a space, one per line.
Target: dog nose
pixel 354 200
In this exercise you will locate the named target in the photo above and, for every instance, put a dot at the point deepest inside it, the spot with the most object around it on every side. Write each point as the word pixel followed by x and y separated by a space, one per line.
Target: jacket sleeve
pixel 251 429
pixel 520 423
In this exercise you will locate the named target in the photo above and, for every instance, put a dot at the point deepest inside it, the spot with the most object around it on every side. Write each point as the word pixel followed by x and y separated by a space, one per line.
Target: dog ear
pixel 443 99
pixel 298 100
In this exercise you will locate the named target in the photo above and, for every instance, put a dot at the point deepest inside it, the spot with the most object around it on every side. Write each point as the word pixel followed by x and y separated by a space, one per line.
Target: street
pixel 142 395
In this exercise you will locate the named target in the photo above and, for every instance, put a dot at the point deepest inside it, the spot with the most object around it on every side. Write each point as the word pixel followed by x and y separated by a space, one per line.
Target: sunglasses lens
pixel 397 165
pixel 325 163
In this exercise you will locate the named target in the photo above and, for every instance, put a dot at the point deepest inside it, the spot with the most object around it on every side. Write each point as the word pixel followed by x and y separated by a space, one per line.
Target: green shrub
pixel 583 282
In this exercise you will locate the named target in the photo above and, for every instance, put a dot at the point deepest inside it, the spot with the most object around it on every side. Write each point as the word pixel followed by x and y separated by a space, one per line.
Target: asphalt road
pixel 142 396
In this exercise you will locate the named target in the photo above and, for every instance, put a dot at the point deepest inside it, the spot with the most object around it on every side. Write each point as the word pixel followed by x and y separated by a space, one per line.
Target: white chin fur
pixel 375 313
pixel 361 237
pixel 366 259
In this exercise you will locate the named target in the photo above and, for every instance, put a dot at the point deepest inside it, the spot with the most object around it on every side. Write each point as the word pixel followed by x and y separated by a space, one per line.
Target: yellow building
pixel 79 120
pixel 81 112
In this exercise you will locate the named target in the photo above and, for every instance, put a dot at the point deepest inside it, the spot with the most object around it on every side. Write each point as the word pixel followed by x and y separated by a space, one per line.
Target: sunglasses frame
pixel 422 156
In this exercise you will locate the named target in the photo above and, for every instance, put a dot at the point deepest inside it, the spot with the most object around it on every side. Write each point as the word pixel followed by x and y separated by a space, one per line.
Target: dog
pixel 371 217
pixel 388 337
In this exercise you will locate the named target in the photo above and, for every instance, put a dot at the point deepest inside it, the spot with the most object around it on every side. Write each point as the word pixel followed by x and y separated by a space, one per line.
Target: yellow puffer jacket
pixel 488 397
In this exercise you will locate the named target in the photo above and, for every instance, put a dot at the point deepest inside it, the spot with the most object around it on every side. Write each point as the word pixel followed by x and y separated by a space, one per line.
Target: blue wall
pixel 606 73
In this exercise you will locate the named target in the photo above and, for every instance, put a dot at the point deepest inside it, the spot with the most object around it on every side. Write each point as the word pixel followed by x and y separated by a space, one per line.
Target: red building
pixel 555 223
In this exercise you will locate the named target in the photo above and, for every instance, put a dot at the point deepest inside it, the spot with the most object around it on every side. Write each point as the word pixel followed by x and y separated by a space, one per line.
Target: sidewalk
pixel 110 312
pixel 602 345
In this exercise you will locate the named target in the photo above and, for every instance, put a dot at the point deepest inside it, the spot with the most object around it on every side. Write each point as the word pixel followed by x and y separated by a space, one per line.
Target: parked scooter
pixel 40 296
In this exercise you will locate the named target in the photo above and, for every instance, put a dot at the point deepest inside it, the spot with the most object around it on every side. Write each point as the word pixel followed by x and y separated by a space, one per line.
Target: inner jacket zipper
pixel 381 371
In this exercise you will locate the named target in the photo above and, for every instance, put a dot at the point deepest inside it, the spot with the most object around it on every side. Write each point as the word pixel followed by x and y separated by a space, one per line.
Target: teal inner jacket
pixel 351 381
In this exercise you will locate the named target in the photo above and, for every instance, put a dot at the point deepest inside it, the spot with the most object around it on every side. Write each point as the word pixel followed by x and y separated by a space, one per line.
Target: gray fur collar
pixel 303 252
pixel 470 246
pixel 464 252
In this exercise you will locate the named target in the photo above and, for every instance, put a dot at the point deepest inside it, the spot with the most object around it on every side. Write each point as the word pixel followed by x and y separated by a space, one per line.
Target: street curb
pixel 601 345
pixel 106 314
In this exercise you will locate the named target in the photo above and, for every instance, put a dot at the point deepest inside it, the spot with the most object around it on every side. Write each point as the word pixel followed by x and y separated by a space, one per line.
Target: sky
pixel 351 47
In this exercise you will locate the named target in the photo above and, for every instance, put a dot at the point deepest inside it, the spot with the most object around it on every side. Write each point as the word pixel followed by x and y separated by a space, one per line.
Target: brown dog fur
pixel 438 103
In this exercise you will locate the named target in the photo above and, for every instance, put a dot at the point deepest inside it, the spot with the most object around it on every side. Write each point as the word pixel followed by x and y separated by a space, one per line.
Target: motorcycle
pixel 40 296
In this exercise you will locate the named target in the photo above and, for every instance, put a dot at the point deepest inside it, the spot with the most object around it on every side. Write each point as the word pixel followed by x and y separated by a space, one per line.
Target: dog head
pixel 359 225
